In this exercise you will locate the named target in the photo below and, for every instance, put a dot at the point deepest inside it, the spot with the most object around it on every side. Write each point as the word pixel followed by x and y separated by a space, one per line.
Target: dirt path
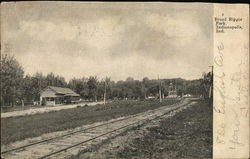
pixel 39 150
pixel 163 138
pixel 42 110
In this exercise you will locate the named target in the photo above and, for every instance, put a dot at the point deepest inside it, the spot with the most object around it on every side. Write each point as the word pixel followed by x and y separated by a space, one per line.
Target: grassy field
pixel 18 108
pixel 18 128
pixel 186 135
pixel 6 109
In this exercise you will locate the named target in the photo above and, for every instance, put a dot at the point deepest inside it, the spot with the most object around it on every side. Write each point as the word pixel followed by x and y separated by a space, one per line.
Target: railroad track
pixel 52 147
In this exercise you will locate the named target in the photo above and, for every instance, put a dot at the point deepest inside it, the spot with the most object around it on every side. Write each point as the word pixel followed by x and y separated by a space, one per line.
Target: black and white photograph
pixel 107 80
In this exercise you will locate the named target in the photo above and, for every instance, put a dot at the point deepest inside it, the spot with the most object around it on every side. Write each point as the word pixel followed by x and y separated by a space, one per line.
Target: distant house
pixel 58 95
pixel 172 93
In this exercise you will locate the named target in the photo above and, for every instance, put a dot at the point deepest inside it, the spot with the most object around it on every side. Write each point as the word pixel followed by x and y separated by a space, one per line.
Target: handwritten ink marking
pixel 221 134
pixel 219 83
pixel 236 80
pixel 219 140
pixel 244 112
pixel 235 137
pixel 219 59
pixel 219 87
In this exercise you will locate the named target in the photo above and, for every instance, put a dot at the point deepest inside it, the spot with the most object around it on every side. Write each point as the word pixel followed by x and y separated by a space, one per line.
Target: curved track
pixel 52 147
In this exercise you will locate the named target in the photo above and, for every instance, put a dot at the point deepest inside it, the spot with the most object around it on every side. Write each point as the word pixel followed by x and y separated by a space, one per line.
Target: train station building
pixel 58 95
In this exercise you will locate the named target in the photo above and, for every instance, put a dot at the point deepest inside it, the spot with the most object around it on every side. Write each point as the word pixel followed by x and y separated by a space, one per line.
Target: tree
pixel 104 88
pixel 50 79
pixel 11 80
pixel 206 84
pixel 32 86
pixel 16 88
pixel 130 79
pixel 92 87
pixel 30 89
pixel 153 87
pixel 60 81
pixel 79 86
pixel 145 87
pixel 57 81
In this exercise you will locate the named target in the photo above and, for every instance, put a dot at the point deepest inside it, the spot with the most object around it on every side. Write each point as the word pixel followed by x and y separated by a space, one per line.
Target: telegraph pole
pixel 212 85
pixel 104 95
pixel 159 88
pixel 39 83
pixel 212 69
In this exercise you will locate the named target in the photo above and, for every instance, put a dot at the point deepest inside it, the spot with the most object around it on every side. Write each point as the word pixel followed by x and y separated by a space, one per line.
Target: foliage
pixel 11 80
pixel 17 89
pixel 207 84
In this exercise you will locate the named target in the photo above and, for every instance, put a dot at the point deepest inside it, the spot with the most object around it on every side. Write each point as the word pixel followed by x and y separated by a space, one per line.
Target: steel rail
pixel 68 134
pixel 104 134
pixel 71 133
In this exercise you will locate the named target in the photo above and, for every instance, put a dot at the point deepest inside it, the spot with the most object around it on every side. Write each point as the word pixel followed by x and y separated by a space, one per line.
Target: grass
pixel 188 134
pixel 5 109
pixel 18 128
pixel 18 108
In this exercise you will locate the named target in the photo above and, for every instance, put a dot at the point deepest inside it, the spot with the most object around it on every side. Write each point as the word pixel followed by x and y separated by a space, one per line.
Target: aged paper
pixel 63 64
pixel 231 81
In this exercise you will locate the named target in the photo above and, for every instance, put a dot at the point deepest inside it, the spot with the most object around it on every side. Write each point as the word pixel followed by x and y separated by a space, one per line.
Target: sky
pixel 119 40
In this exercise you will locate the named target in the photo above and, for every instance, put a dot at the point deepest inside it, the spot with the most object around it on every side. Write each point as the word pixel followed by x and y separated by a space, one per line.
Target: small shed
pixel 58 95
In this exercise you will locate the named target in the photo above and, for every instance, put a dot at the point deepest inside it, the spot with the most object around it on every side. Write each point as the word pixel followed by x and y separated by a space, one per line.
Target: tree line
pixel 17 88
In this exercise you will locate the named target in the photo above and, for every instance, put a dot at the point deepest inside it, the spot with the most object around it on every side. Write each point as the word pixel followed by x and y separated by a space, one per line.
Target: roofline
pixel 56 91
pixel 45 89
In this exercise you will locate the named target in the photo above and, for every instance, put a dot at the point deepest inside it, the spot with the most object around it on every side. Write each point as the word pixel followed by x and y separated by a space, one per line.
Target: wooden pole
pixel 211 87
pixel 159 89
pixel 104 95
